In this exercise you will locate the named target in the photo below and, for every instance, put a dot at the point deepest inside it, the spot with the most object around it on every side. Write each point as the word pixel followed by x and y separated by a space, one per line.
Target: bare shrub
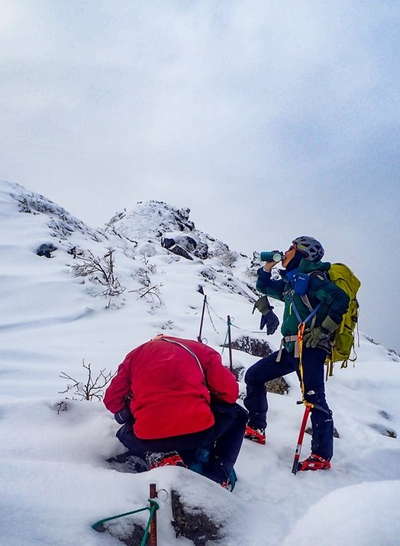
pixel 92 387
pixel 149 291
pixel 144 272
pixel 61 406
pixel 101 271
pixel 228 258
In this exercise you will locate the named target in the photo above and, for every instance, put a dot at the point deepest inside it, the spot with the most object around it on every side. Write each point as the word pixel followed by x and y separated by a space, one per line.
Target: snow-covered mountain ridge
pixel 58 311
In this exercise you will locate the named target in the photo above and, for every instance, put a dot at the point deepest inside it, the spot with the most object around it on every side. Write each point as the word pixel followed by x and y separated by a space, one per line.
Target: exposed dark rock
pixel 182 245
pixel 130 534
pixel 193 523
pixel 238 371
pixel 278 386
pixel 176 249
pixel 394 355
pixel 385 415
pixel 127 463
pixel 76 251
pixel 46 249
pixel 208 273
pixel 252 346
pixel 390 433
pixel 260 348
pixel 201 251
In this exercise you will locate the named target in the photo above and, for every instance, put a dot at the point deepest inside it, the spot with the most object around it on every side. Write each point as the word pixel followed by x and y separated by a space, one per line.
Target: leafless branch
pixel 92 388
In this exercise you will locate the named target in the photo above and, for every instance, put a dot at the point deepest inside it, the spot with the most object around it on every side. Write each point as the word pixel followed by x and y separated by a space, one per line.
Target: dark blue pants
pixel 222 441
pixel 314 391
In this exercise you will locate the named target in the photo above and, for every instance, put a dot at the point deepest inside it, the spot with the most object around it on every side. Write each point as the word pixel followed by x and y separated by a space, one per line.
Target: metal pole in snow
pixel 230 344
pixel 202 318
pixel 153 524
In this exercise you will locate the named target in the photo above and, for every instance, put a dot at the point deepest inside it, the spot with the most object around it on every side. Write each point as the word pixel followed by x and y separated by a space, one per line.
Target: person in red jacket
pixel 178 403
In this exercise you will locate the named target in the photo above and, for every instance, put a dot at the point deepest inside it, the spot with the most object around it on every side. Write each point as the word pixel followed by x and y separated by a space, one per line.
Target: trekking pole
pixel 202 319
pixel 230 343
pixel 300 438
pixel 153 524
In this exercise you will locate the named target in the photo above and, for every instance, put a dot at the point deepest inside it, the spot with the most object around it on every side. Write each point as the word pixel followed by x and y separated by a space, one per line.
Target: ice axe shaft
pixel 300 439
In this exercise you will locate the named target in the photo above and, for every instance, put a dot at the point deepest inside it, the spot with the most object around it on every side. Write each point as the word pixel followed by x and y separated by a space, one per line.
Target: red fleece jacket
pixel 169 388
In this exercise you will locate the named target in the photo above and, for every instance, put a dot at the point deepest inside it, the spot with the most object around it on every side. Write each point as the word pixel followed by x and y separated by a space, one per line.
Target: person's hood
pixel 306 266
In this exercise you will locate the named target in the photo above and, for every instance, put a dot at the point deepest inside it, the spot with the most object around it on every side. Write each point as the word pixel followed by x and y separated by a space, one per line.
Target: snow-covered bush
pixel 228 258
pixel 62 224
pixel 101 271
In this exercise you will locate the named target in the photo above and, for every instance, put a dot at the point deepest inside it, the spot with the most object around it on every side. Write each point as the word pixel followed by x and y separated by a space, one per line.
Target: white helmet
pixel 309 247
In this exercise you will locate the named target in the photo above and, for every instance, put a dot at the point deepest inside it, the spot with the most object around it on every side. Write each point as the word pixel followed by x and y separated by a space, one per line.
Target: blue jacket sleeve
pixel 268 286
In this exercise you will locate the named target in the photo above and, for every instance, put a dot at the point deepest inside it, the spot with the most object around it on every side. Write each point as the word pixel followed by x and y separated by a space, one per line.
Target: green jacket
pixel 334 301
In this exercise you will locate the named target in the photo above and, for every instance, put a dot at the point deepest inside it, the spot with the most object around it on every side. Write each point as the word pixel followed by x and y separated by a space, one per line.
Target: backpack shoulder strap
pixel 186 349
pixel 305 299
pixel 322 275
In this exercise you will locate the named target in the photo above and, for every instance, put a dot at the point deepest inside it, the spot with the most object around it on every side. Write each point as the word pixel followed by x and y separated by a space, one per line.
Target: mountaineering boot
pixel 230 482
pixel 127 462
pixel 217 471
pixel 314 462
pixel 255 434
pixel 172 458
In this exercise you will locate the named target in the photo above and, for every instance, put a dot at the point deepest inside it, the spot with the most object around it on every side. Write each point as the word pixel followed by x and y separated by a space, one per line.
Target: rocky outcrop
pixel 193 523
pixel 261 348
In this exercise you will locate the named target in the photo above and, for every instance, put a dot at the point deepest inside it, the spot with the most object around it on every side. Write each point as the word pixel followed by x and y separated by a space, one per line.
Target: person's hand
pixel 270 320
pixel 268 266
pixel 315 335
pixel 123 416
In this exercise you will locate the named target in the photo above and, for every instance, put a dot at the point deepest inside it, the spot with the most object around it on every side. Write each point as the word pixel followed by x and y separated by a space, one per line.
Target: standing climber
pixel 310 298
pixel 178 401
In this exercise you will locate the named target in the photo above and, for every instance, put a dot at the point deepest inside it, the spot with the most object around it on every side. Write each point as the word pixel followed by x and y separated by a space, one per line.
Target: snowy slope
pixel 55 481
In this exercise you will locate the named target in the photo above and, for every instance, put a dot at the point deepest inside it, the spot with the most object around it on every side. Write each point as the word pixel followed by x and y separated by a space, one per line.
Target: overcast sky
pixel 268 119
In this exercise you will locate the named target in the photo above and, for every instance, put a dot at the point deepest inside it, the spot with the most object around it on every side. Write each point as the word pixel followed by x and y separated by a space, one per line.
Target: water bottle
pixel 271 256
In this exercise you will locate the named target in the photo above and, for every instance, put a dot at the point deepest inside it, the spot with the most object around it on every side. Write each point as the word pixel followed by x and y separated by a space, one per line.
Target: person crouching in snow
pixel 178 404
pixel 302 263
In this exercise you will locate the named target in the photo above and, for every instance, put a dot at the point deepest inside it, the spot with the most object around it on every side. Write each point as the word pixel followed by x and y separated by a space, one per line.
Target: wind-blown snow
pixel 55 481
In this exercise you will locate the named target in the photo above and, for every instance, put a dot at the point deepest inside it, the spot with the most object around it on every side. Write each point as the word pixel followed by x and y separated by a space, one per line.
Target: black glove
pixel 123 416
pixel 270 320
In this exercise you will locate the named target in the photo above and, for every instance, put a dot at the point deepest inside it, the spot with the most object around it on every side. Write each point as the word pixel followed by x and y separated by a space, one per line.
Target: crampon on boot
pixel 255 434
pixel 172 458
pixel 314 462
pixel 230 482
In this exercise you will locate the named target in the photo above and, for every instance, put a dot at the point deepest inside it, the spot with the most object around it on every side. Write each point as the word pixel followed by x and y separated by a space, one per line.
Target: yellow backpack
pixel 343 343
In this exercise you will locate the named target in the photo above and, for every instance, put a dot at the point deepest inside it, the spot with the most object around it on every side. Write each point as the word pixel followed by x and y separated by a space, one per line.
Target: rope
pixel 300 336
pixel 211 320
pixel 232 324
